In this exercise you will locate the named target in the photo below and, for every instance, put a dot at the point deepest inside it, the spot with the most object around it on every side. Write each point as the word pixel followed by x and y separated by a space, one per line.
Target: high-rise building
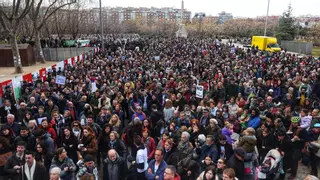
pixel 223 17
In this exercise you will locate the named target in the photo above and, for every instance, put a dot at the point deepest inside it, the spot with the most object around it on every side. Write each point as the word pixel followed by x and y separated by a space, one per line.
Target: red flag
pixel 3 85
pixel 27 77
pixel 53 66
pixel 43 74
pixel 73 61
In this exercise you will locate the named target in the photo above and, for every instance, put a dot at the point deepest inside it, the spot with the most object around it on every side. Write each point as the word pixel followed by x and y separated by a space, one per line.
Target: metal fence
pixel 60 54
pixel 298 47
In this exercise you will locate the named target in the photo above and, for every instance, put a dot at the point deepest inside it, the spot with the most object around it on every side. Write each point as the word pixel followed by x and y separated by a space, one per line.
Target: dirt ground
pixel 6 73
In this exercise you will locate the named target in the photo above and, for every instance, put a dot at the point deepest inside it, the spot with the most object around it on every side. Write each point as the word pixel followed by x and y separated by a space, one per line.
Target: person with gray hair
pixel 184 147
pixel 55 173
pixel 12 124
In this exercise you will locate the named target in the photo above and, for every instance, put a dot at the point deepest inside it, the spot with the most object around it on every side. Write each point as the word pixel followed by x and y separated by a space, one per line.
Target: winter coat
pixel 215 131
pixel 91 144
pixel 67 162
pixel 185 150
pixel 120 148
pixel 237 165
pixel 40 173
pixel 30 141
pixel 14 161
pixel 248 143
pixel 171 157
pixel 150 144
pixel 185 165
pixel 305 122
pixel 160 171
pixel 206 150
pixel 5 154
pixel 227 133
pixel 286 146
pixel 44 159
pixel 254 122
pixel 84 170
pixel 266 144
pixel 71 146
pixel 121 169
pixel 228 151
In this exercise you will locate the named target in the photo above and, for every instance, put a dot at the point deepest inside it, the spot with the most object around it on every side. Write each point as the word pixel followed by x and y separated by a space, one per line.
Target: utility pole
pixel 101 26
pixel 266 24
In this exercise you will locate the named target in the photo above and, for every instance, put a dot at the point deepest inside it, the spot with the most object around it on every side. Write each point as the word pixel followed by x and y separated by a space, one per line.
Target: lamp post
pixel 200 17
pixel 101 26
pixel 266 24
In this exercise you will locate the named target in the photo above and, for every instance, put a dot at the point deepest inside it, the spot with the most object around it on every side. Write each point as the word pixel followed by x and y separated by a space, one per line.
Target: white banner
pixel 199 91
pixel 60 80
pixel 60 65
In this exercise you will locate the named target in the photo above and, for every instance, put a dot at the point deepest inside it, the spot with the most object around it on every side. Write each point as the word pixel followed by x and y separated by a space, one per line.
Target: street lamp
pixel 266 24
pixel 101 26
pixel 200 16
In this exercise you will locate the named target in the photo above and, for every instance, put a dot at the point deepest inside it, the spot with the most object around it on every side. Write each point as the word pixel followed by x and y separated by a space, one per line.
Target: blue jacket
pixel 160 171
pixel 205 150
pixel 254 122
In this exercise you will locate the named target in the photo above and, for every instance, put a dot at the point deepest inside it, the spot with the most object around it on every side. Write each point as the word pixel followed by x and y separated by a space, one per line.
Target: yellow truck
pixel 265 43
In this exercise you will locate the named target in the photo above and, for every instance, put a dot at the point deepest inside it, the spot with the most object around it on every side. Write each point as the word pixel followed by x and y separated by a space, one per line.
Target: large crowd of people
pixel 133 113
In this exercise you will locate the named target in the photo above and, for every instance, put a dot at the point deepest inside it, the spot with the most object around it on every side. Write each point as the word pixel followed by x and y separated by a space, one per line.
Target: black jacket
pixel 228 150
pixel 122 168
pixel 8 168
pixel 29 140
pixel 4 113
pixel 40 173
pixel 237 165
pixel 171 157
pixel 120 147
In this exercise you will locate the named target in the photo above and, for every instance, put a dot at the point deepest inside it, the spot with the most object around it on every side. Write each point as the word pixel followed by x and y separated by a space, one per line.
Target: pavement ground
pixel 6 73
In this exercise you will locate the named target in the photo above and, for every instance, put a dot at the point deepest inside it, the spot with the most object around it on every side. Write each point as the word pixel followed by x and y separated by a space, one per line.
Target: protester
pixel 33 170
pixel 142 93
pixel 115 167
pixel 62 161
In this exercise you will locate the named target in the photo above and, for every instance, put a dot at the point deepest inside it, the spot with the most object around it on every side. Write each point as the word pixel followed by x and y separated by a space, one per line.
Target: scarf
pixel 30 172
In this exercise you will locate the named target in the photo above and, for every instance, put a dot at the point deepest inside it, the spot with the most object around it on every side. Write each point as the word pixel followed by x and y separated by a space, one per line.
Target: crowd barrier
pixel 15 83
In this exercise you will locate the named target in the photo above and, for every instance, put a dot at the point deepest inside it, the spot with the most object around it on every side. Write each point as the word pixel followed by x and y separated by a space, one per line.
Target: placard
pixel 60 80
pixel 199 91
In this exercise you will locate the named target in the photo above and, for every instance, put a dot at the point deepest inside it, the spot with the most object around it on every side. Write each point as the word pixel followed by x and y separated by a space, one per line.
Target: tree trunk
pixel 16 54
pixel 39 48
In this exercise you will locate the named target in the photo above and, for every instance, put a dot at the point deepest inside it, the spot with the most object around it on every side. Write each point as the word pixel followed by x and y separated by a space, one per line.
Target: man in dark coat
pixel 7 109
pixel 284 145
pixel 114 167
pixel 33 170
pixel 236 162
pixel 14 164
pixel 26 137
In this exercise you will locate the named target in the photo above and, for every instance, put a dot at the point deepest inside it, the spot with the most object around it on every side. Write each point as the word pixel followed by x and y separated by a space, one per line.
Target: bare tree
pixel 12 12
pixel 40 13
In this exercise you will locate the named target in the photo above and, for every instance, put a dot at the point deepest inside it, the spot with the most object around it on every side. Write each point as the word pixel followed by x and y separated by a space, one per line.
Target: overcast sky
pixel 239 8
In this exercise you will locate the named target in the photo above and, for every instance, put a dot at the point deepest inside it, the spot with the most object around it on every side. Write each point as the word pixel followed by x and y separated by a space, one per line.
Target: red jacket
pixel 150 145
pixel 51 131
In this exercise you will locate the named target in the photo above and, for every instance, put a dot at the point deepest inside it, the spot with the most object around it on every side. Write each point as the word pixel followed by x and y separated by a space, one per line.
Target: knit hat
pixel 88 158
pixel 295 119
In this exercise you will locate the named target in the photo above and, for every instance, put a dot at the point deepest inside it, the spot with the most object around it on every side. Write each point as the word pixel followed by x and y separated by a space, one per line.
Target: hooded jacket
pixel 248 143
pixel 227 133
pixel 119 169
